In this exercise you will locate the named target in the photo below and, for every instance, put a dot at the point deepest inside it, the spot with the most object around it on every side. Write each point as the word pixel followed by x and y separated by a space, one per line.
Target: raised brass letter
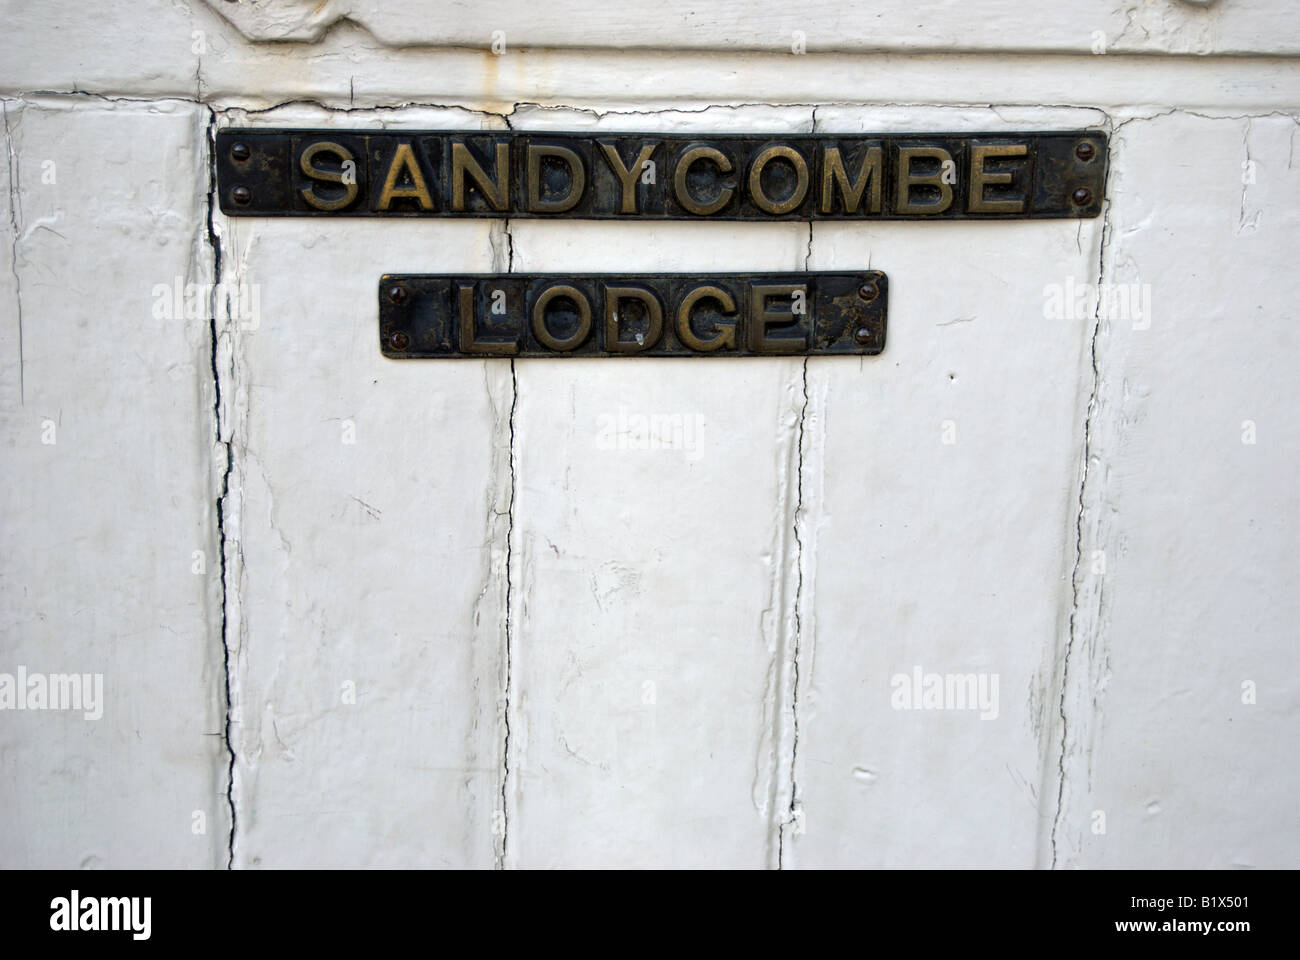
pixel 577 179
pixel 628 176
pixel 463 162
pixel 761 317
pixel 404 156
pixel 833 172
pixel 906 180
pixel 654 312
pixel 309 193
pixel 726 336
pixel 756 193
pixel 978 178
pixel 468 344
pixel 540 329
pixel 679 180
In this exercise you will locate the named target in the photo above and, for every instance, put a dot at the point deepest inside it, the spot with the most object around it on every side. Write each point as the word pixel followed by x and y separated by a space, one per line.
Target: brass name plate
pixel 617 315
pixel 651 176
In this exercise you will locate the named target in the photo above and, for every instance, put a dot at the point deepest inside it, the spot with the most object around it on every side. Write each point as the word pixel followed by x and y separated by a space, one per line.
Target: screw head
pixel 1085 150
pixel 241 195
pixel 868 291
pixel 399 341
pixel 862 335
pixel 240 152
pixel 397 294
pixel 1082 196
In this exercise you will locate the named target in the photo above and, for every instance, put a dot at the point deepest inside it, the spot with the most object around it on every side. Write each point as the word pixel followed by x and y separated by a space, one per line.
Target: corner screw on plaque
pixel 399 341
pixel 862 335
pixel 397 295
pixel 241 195
pixel 1085 150
pixel 240 152
pixel 868 291
pixel 1082 196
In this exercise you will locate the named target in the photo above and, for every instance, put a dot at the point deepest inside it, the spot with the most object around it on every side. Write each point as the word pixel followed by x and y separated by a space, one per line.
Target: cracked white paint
pixel 460 628
pixel 1197 597
pixel 1056 26
pixel 195 52
pixel 109 468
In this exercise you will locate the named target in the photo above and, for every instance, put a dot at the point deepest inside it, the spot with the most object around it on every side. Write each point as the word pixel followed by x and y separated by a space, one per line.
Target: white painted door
pixel 349 611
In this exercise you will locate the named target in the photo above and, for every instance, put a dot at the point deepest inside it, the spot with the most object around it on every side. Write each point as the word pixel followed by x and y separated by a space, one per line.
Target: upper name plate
pixel 651 176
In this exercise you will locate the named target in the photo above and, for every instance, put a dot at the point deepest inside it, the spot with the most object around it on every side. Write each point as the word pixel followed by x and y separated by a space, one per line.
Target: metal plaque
pixel 652 176
pixel 633 315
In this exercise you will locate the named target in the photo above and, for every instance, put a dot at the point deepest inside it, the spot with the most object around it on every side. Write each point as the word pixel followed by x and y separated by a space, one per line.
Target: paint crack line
pixel 14 218
pixel 509 627
pixel 794 811
pixel 1075 577
pixel 215 242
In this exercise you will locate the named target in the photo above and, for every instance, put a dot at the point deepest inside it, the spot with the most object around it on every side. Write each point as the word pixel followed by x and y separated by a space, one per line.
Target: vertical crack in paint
pixel 215 242
pixel 792 810
pixel 509 626
pixel 510 535
pixel 1075 585
pixel 14 216
pixel 510 531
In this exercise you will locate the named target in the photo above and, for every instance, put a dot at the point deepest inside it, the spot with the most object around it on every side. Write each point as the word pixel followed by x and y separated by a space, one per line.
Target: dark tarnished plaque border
pixel 419 314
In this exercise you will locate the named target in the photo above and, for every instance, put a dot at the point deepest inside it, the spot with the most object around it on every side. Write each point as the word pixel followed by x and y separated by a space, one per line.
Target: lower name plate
pixel 432 316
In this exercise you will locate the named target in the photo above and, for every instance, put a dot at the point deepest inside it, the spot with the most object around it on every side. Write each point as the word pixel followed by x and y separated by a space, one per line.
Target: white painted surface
pixel 110 474
pixel 1196 522
pixel 1056 26
pixel 935 522
pixel 195 52
pixel 369 585
pixel 568 651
